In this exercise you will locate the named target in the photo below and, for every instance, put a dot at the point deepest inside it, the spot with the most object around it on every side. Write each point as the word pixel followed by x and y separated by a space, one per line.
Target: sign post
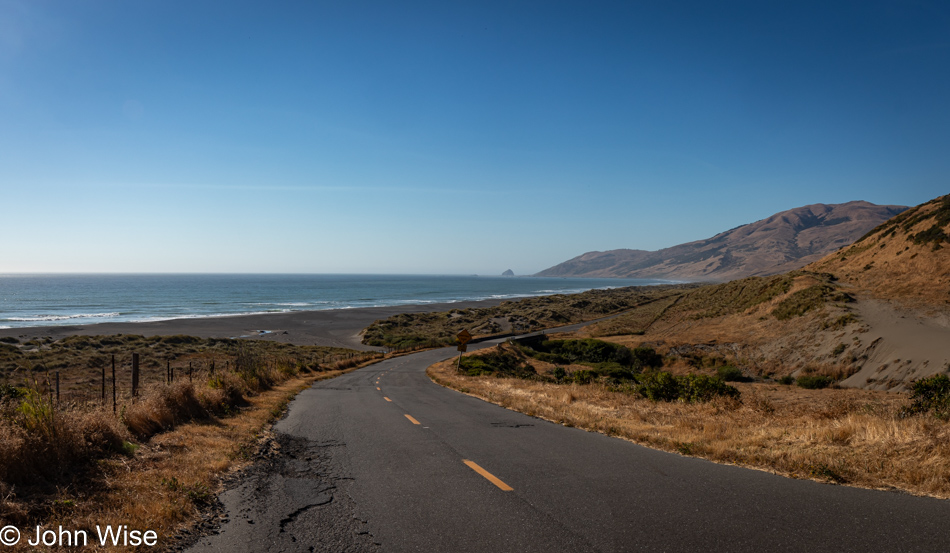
pixel 463 337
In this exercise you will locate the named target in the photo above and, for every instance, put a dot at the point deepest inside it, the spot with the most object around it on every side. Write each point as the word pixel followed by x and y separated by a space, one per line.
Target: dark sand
pixel 336 327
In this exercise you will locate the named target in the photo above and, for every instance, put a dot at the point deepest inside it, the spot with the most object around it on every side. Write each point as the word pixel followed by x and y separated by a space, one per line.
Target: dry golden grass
pixel 847 436
pixel 529 314
pixel 890 265
pixel 163 483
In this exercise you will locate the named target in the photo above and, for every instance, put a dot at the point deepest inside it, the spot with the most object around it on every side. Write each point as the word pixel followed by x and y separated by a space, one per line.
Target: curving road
pixel 382 459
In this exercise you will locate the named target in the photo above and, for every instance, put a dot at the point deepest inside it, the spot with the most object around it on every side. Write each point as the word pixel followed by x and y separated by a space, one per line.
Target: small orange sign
pixel 464 337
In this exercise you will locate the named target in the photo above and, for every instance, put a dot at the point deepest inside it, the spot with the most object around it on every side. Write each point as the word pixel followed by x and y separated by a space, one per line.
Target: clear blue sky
pixel 448 137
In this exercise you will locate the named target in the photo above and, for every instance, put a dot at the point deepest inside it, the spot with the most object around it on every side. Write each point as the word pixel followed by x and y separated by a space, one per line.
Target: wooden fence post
pixel 135 374
pixel 113 385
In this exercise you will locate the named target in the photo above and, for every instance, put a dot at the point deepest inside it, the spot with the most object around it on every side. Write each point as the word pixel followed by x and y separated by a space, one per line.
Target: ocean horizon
pixel 61 299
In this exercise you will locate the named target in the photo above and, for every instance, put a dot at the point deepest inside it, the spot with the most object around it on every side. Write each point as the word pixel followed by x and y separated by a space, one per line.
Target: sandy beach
pixel 336 327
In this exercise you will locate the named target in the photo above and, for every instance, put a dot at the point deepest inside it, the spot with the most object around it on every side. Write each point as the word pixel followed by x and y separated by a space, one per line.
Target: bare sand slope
pixel 905 345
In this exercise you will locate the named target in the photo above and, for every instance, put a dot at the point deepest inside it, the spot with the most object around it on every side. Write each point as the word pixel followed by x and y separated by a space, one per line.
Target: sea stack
pixel 509 272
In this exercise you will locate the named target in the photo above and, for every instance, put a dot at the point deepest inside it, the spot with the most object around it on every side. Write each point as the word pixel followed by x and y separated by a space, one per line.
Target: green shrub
pixel 787 380
pixel 12 392
pixel 496 362
pixel 36 414
pixel 647 357
pixel 660 386
pixel 614 371
pixel 559 373
pixel 698 388
pixel 731 374
pixel 583 376
pixel 931 395
pixel 591 352
pixel 814 382
pixel 691 388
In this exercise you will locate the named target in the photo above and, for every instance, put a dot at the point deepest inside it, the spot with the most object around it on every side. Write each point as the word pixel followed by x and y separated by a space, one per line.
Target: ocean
pixel 61 299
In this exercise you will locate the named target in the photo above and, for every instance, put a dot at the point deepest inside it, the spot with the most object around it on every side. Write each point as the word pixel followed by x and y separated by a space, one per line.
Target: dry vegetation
pixel 512 317
pixel 80 360
pixel 156 463
pixel 905 259
pixel 813 327
pixel 855 437
pixel 799 323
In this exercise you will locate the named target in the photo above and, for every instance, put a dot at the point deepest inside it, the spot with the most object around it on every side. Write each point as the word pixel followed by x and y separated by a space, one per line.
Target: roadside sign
pixel 464 337
pixel 462 348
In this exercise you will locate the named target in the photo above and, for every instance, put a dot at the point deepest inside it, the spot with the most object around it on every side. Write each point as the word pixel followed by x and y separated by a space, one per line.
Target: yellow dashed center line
pixel 414 421
pixel 488 476
pixel 377 387
pixel 387 399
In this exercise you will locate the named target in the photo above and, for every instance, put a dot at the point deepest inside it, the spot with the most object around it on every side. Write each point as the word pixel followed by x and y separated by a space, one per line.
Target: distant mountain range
pixel 783 242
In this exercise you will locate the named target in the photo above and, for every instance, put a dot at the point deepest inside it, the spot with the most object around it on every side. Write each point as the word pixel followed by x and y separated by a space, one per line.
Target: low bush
pixel 660 386
pixel 699 388
pixel 499 363
pixel 163 407
pixel 814 382
pixel 729 373
pixel 38 443
pixel 583 376
pixel 602 355
pixel 931 395
pixel 690 388
pixel 12 392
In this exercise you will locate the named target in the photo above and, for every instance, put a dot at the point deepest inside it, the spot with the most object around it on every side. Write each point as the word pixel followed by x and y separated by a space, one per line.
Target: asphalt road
pixel 382 459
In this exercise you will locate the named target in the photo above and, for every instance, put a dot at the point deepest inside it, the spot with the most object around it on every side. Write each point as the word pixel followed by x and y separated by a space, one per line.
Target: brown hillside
pixel 783 242
pixel 873 315
pixel 905 259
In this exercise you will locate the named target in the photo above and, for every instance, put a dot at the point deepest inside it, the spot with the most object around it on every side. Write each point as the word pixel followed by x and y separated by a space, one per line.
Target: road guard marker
pixel 414 421
pixel 463 338
pixel 488 476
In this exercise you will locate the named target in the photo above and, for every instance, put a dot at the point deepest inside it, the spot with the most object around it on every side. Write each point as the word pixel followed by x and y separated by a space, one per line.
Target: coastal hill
pixel 906 259
pixel 875 314
pixel 783 242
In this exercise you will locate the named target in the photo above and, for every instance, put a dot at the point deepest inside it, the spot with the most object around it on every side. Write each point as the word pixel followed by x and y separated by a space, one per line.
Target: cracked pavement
pixel 383 459
pixel 294 499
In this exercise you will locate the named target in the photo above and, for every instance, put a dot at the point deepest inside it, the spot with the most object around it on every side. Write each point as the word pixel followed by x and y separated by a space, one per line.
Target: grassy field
pixel 797 293
pixel 80 360
pixel 846 436
pixel 527 315
pixel 156 463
